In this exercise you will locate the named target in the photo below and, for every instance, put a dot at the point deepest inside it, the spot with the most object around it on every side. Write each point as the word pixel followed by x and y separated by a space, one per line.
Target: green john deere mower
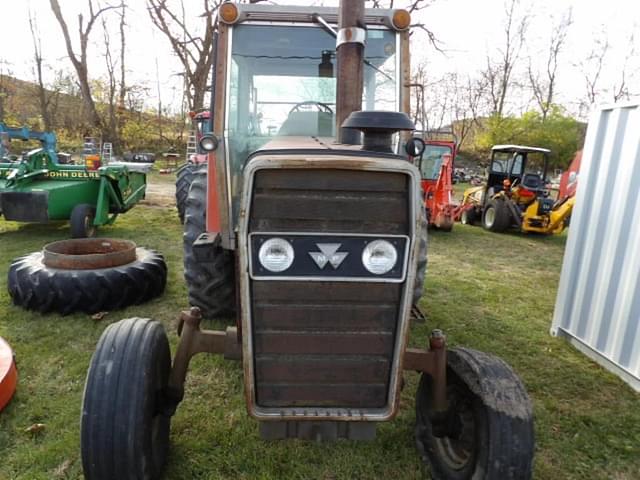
pixel 39 190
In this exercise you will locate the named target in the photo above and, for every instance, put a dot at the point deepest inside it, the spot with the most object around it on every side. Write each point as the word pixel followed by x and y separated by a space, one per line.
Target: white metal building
pixel 598 303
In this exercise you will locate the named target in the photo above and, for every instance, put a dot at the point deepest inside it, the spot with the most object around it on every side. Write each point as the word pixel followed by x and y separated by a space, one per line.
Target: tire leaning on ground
pixel 184 177
pixel 124 430
pixel 210 280
pixel 81 221
pixel 488 427
pixel 496 216
pixel 34 286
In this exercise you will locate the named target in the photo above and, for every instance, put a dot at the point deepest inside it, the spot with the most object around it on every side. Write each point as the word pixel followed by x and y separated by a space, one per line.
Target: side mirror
pixel 208 142
pixel 415 147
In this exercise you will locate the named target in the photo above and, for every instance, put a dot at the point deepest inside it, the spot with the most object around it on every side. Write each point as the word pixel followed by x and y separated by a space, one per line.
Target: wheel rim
pixel 489 217
pixel 459 449
pixel 464 219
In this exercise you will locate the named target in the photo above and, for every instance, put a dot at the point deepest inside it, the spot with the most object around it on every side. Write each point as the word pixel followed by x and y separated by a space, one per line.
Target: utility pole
pixel 349 58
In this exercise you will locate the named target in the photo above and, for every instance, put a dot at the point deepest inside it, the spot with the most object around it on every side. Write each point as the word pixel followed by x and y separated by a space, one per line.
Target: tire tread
pixel 35 287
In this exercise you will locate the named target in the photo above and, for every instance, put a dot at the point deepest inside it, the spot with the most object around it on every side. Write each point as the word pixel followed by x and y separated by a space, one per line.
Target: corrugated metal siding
pixel 598 303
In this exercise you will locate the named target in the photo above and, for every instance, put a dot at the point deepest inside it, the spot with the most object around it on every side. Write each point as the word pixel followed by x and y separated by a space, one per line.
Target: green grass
pixel 487 291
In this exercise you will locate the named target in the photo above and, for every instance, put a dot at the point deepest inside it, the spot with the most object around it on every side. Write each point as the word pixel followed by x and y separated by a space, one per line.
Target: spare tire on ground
pixel 86 275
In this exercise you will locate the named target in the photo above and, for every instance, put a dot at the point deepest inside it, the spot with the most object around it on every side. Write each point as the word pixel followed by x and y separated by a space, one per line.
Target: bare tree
pixel 111 125
pixel 467 106
pixel 418 107
pixel 620 88
pixel 80 61
pixel 592 68
pixel 195 51
pixel 412 6
pixel 44 99
pixel 543 85
pixel 499 70
pixel 123 44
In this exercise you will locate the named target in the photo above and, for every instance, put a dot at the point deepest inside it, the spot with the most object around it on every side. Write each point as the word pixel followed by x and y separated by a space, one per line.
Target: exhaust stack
pixel 349 58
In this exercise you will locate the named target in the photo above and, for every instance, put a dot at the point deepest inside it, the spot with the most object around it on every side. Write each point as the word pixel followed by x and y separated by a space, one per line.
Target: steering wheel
pixel 322 107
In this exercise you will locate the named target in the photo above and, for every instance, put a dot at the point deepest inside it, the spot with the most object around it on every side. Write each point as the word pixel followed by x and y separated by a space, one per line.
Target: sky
pixel 467 31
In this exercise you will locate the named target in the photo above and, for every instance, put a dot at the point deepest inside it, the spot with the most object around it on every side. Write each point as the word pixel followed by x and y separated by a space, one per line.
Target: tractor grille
pixel 326 344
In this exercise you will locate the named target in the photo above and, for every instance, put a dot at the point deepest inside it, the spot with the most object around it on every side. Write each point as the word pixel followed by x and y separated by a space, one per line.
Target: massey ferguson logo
pixel 328 254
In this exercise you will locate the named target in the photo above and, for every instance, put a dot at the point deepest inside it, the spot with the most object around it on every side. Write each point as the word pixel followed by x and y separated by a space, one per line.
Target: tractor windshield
pixel 432 160
pixel 282 83
pixel 516 164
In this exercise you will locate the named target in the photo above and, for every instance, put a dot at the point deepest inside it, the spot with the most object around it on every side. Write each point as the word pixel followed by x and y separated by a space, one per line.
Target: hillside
pixel 138 128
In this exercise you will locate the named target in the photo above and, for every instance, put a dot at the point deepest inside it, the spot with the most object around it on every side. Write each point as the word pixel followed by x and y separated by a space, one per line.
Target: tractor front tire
pixel 496 216
pixel 184 178
pixel 34 286
pixel 210 280
pixel 81 221
pixel 124 431
pixel 487 432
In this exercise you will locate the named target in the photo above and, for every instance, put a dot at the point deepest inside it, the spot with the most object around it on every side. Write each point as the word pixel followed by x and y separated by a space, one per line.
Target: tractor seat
pixel 532 181
pixel 313 124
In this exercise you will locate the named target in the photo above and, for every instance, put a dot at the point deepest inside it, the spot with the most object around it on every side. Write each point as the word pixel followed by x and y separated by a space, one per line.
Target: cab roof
pixel 304 14
pixel 519 148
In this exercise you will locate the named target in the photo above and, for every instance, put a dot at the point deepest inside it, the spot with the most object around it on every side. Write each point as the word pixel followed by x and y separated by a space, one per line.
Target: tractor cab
pixel 201 123
pixel 516 194
pixel 436 170
pixel 280 82
pixel 522 170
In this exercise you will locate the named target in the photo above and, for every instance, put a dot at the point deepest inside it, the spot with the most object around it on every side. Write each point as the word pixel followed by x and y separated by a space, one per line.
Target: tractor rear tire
pixel 496 216
pixel 487 433
pixel 34 286
pixel 81 221
pixel 184 177
pixel 210 281
pixel 421 270
pixel 124 430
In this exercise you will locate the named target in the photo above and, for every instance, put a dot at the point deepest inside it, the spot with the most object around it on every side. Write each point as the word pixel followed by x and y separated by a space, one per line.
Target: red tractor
pixel 196 159
pixel 436 168
pixel 308 228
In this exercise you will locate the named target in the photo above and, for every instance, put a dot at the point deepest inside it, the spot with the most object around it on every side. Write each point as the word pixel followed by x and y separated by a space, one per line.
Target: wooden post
pixel 349 59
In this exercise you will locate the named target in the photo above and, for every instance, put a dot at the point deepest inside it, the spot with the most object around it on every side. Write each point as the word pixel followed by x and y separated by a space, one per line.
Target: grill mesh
pixel 325 344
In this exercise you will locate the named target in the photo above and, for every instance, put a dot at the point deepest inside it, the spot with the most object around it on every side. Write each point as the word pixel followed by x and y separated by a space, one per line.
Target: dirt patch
pixel 160 195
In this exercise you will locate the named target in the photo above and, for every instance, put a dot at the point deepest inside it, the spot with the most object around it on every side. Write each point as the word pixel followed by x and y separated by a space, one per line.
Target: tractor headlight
pixel 208 142
pixel 379 257
pixel 276 255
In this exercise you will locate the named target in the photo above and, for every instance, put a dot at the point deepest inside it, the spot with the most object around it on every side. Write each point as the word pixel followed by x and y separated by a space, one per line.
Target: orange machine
pixel 8 373
pixel 436 168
